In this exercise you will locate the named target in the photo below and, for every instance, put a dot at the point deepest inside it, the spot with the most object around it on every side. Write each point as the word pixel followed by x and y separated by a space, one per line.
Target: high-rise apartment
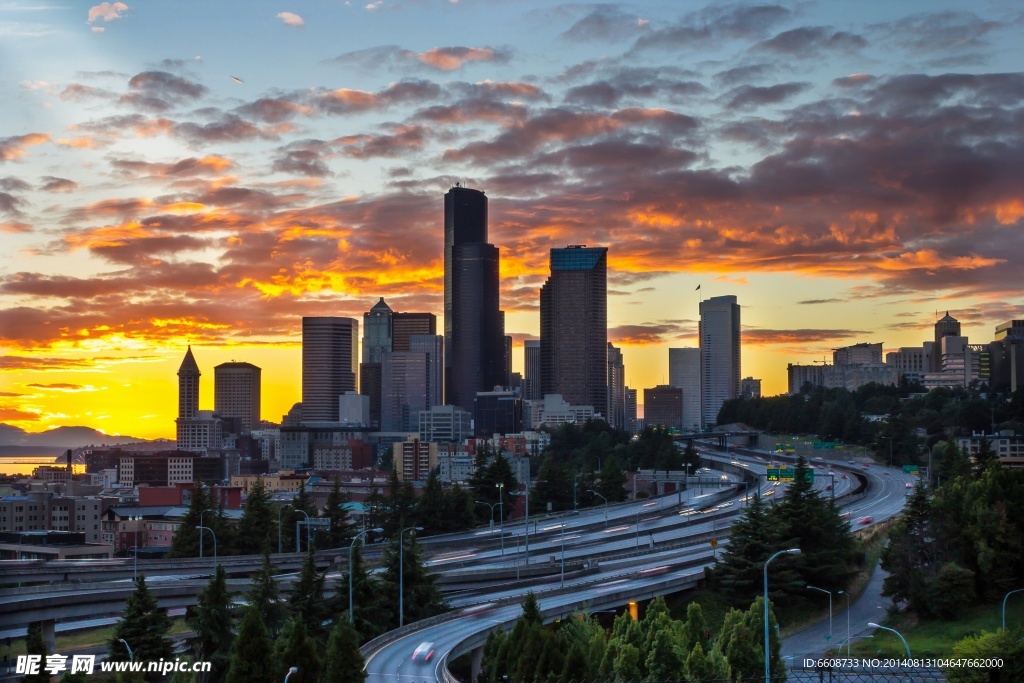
pixel 531 370
pixel 473 333
pixel 720 354
pixel 616 388
pixel 574 327
pixel 684 372
pixel 236 393
pixel 330 356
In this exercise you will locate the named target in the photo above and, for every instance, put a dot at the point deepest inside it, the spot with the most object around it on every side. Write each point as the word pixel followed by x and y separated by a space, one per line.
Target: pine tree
pixel 186 539
pixel 307 599
pixel 253 658
pixel 35 645
pixel 344 661
pixel 371 613
pixel 741 647
pixel 210 620
pixel 694 630
pixel 144 626
pixel 460 510
pixel 753 537
pixel 663 662
pixel 342 530
pixel 432 507
pixel 227 533
pixel 265 596
pixel 295 649
pixel 421 597
pixel 613 480
pixel 302 510
pixel 258 521
pixel 627 665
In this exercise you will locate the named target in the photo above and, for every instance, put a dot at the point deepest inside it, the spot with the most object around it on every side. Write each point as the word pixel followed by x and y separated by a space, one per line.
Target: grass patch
pixel 80 640
pixel 937 638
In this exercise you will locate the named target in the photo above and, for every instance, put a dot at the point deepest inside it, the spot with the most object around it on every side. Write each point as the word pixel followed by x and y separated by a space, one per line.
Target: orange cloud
pixel 451 58
pixel 77 143
pixel 930 259
pixel 107 11
pixel 13 148
pixel 12 414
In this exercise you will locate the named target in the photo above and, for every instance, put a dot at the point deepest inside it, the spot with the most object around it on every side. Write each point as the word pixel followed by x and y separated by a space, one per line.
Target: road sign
pixel 825 444
pixel 714 542
pixel 910 469
pixel 773 474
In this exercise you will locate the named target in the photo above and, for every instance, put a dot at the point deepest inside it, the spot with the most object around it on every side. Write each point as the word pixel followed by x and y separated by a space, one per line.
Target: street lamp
pixel 767 655
pixel 886 628
pixel 847 595
pixel 131 655
pixel 290 672
pixel 401 572
pixel 501 513
pixel 214 543
pixel 605 504
pixel 815 588
pixel 351 547
pixel 1004 604
pixel 203 512
pixel 490 505
pixel 298 541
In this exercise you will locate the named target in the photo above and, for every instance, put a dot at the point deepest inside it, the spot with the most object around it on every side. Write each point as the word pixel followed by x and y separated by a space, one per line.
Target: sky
pixel 209 173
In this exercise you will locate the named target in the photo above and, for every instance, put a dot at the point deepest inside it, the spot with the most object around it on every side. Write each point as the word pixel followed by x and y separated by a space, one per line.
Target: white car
pixel 424 652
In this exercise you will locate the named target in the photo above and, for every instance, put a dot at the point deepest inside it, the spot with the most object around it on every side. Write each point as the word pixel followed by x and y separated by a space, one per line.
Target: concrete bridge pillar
pixel 476 663
pixel 49 628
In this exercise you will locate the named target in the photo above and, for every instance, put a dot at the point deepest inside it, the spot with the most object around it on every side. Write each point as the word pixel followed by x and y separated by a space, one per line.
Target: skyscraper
pixel 432 345
pixel 377 340
pixel 947 326
pixel 236 394
pixel 531 370
pixel 616 388
pixel 473 333
pixel 188 386
pixel 330 355
pixel 684 372
pixel 720 354
pixel 574 327
pixel 405 325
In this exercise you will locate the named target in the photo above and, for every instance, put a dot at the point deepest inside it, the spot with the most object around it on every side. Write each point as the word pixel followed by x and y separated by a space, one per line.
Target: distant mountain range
pixel 16 441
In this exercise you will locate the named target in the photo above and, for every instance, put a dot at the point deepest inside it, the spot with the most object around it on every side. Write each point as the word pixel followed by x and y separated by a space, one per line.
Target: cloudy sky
pixel 212 171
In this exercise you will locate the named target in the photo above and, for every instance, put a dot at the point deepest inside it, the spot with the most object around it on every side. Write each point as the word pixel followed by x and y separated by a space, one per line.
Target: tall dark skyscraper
pixel 473 332
pixel 574 327
pixel 719 334
pixel 531 370
pixel 330 360
pixel 405 325
pixel 236 393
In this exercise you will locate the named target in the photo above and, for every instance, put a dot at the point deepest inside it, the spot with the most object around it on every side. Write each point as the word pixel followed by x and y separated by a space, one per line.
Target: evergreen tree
pixel 186 539
pixel 401 505
pixel 35 645
pixel 694 630
pixel 421 597
pixel 613 480
pixel 753 537
pixel 144 626
pixel 493 666
pixel 460 510
pixel 342 530
pixel 576 667
pixel 372 614
pixel 265 596
pixel 210 620
pixel 554 486
pixel 294 648
pixel 911 553
pixel 344 662
pixel 627 665
pixel 432 507
pixel 302 510
pixel 258 522
pixel 252 660
pixel 741 647
pixel 663 662
pixel 227 533
pixel 375 510
pixel 307 600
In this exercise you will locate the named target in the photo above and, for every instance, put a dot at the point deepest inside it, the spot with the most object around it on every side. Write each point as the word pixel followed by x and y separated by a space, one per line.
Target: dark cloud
pixel 190 166
pixel 385 56
pixel 77 92
pixel 767 337
pixel 56 385
pixel 751 96
pixel 228 128
pixel 55 184
pixel 307 162
pixel 10 183
pixel 9 204
pixel 605 24
pixel 744 74
pixel 159 91
pixel 272 109
pixel 393 57
pixel 811 41
pixel 648 333
pixel 714 24
pixel 820 301
pixel 938 31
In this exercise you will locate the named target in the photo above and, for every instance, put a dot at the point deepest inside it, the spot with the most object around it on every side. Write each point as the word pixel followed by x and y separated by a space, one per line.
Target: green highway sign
pixel 910 469
pixel 825 444
pixel 773 474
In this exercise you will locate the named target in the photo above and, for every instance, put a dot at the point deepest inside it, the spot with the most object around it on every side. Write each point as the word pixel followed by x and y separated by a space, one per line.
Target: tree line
pixel 656 648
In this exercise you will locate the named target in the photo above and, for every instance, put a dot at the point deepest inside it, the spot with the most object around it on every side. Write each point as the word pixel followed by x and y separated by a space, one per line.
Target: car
pixel 843 477
pixel 908 485
pixel 887 474
pixel 424 652
pixel 827 488
pixel 865 520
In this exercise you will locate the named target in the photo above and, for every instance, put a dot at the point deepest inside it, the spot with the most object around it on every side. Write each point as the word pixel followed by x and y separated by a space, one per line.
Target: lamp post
pixel 847 595
pixel 886 628
pixel 203 512
pixel 401 572
pixel 490 505
pixel 131 655
pixel 351 547
pixel 815 588
pixel 214 543
pixel 767 654
pixel 605 505
pixel 501 513
pixel 298 539
pixel 1004 604
pixel 290 672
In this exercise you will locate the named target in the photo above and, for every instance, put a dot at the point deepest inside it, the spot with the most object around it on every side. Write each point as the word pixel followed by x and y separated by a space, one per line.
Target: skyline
pixel 849 175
